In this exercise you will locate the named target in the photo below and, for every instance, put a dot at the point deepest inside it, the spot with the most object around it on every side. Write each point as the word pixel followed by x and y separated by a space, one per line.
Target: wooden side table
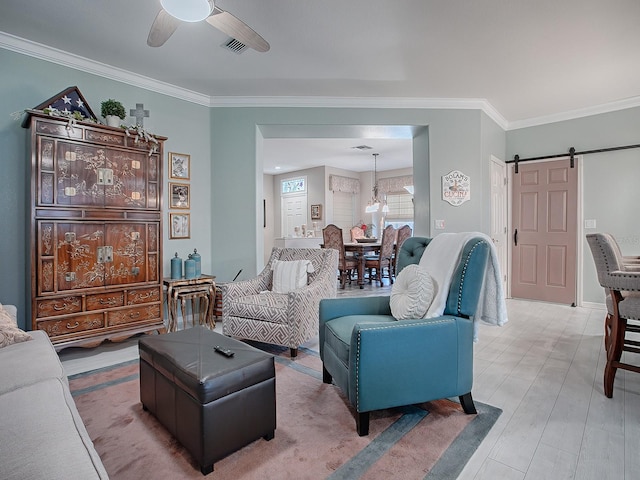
pixel 200 290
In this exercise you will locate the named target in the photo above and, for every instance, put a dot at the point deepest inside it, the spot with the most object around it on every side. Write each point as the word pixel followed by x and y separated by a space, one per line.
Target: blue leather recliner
pixel 380 362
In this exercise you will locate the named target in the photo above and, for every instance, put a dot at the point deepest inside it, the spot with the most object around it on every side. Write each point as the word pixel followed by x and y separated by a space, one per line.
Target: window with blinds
pixel 344 212
pixel 400 207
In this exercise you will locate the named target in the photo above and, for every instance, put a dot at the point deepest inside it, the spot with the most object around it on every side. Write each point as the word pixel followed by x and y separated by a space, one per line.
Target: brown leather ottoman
pixel 213 405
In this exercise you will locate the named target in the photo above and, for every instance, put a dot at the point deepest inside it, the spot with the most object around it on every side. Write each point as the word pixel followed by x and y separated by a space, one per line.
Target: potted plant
pixel 113 112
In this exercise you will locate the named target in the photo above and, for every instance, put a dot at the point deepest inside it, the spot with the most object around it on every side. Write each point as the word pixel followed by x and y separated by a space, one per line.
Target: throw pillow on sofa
pixel 412 293
pixel 290 275
pixel 9 331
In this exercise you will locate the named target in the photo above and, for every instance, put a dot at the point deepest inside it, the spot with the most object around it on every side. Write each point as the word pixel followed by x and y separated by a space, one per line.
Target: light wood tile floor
pixel 544 370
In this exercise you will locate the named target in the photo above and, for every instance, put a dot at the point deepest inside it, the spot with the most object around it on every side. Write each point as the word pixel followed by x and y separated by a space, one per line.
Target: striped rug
pixel 315 435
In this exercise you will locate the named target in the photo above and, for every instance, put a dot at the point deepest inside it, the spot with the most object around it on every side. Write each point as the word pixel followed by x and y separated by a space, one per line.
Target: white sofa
pixel 41 433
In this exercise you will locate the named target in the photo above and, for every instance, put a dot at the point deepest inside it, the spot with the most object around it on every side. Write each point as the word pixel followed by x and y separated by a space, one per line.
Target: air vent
pixel 235 46
pixel 363 147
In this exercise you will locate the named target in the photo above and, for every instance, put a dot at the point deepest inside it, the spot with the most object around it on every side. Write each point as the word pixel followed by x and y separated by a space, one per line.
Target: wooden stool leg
pixel 174 309
pixel 607 332
pixel 172 318
pixel 204 310
pixel 212 303
pixel 183 306
pixel 616 342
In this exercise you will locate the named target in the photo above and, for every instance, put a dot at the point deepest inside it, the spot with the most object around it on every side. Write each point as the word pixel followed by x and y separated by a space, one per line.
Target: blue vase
pixel 198 259
pixel 190 268
pixel 176 267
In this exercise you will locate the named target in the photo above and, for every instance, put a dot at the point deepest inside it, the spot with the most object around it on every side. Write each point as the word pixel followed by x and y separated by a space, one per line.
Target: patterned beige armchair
pixel 251 310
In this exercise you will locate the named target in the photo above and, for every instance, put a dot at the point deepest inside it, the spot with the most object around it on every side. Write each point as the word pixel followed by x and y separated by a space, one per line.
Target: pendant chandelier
pixel 374 204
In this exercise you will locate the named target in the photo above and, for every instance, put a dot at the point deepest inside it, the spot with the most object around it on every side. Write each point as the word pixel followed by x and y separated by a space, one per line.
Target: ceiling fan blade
pixel 162 28
pixel 236 28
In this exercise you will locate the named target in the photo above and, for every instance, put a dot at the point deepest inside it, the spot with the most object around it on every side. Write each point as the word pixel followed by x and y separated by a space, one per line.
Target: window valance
pixel 338 183
pixel 394 184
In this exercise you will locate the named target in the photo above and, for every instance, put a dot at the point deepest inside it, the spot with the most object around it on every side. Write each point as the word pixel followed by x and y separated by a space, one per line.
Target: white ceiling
pixel 281 155
pixel 527 59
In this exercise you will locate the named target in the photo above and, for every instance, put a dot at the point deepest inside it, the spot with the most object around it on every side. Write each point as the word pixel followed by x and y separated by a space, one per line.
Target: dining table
pixel 361 249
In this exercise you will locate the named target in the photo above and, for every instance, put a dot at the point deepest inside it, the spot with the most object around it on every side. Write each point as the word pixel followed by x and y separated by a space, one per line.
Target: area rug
pixel 315 434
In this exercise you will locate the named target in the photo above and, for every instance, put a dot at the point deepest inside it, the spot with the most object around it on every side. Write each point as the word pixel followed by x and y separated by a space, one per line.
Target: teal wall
pixel 227 182
pixel 226 174
pixel 610 193
pixel 25 82
pixel 452 141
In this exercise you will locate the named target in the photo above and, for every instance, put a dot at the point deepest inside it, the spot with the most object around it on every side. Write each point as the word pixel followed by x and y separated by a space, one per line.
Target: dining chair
pixel 384 258
pixel 621 281
pixel 356 233
pixel 347 264
pixel 402 234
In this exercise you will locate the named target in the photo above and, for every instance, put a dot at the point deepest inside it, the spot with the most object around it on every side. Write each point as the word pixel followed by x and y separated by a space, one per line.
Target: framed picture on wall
pixel 179 165
pixel 316 212
pixel 179 224
pixel 179 195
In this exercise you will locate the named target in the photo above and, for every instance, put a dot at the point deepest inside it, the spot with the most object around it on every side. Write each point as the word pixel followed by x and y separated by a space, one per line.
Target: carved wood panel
pixel 70 325
pixel 77 263
pixel 95 232
pixel 90 175
pixel 133 315
pixel 105 300
pixel 129 179
pixel 144 295
pixel 59 306
pixel 129 244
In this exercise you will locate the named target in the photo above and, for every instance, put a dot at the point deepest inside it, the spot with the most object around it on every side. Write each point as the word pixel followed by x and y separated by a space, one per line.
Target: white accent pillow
pixel 290 275
pixel 412 293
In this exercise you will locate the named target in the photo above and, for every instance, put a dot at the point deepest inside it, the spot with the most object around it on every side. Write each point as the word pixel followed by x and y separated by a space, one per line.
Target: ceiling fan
pixel 175 11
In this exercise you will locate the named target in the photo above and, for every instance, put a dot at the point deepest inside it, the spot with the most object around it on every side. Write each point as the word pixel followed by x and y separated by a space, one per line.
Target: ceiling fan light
pixel 188 10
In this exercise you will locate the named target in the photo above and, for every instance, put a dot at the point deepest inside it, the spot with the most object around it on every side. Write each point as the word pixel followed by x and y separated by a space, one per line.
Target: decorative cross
pixel 140 113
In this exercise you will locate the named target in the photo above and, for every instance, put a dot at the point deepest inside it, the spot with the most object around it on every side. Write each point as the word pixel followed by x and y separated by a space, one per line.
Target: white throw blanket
pixel 440 259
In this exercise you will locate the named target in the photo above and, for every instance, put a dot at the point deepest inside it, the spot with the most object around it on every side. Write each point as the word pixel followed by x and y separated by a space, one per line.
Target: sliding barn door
pixel 545 202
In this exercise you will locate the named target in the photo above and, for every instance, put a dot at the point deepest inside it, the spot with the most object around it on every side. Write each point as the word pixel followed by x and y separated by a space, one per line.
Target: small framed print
pixel 316 212
pixel 179 165
pixel 179 195
pixel 180 225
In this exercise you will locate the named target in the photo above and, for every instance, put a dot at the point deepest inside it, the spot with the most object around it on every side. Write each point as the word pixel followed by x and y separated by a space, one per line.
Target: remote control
pixel 224 351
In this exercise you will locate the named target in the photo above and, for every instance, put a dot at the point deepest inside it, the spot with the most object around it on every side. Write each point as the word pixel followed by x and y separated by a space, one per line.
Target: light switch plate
pixel 590 223
pixel 439 224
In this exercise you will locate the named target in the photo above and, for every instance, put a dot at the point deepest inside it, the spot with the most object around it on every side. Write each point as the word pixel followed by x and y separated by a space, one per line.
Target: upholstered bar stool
pixel 621 282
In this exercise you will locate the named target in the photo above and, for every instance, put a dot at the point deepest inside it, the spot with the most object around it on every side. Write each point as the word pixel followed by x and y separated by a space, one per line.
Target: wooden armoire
pixel 96 232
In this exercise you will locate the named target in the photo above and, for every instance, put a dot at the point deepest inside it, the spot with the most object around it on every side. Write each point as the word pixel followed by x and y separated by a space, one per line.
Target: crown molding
pixel 365 102
pixel 60 57
pixel 575 114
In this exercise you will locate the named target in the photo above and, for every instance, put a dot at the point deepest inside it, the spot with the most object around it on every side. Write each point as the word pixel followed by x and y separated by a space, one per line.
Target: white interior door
pixel 294 213
pixel 499 215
